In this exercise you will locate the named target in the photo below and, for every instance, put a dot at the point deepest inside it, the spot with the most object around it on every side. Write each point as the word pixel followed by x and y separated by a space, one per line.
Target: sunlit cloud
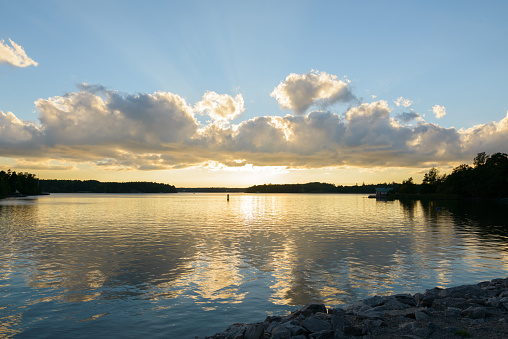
pixel 439 111
pixel 301 91
pixel 14 55
pixel 221 107
pixel 105 129
pixel 403 102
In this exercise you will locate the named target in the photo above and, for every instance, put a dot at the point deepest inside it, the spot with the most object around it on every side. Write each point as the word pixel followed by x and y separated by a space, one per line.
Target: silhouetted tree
pixel 408 186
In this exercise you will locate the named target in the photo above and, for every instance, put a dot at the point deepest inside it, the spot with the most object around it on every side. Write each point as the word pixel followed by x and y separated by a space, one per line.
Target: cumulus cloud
pixel 15 55
pixel 300 91
pixel 107 129
pixel 221 107
pixel 403 102
pixel 439 111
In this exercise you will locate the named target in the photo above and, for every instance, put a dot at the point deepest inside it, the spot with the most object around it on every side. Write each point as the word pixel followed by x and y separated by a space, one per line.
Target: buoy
pixel 228 197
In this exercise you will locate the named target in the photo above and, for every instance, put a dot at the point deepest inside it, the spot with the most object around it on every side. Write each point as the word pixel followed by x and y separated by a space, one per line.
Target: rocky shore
pixel 468 311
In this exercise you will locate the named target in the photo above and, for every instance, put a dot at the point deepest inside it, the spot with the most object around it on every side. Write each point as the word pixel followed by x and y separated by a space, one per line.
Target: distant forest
pixel 94 186
pixel 314 187
pixel 12 184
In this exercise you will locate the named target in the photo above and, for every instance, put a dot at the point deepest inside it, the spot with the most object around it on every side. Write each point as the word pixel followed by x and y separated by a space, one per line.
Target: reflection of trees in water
pixel 485 219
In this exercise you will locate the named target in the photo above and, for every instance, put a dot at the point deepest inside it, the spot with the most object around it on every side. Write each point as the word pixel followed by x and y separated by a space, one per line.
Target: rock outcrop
pixel 479 310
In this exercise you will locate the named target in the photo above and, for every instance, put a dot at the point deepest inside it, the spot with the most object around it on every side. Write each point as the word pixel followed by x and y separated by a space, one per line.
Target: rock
pixel 271 326
pixel 406 299
pixel 371 314
pixel 464 291
pixel 427 301
pixel 392 304
pixel 370 324
pixel 453 312
pixel 281 332
pixel 422 332
pixel 453 329
pixel 434 327
pixel 421 316
pixel 254 331
pixel 322 335
pixel 338 322
pixel 309 309
pixel 235 331
pixel 294 329
pixel 474 312
pixel 353 330
pixel 407 326
pixel 443 303
pixel 477 321
pixel 323 316
pixel 314 324
pixel 408 313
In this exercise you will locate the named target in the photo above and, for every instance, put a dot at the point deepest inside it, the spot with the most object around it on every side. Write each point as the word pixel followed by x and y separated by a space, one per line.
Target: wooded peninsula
pixel 486 178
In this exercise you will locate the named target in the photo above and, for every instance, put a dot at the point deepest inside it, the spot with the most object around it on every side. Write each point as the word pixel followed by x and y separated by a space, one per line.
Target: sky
pixel 239 93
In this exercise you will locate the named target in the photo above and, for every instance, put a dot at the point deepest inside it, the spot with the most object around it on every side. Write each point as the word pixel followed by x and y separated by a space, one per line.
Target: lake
pixel 184 265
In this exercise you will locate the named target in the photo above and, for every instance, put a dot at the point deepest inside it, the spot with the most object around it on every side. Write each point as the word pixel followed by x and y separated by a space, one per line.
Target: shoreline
pixel 466 311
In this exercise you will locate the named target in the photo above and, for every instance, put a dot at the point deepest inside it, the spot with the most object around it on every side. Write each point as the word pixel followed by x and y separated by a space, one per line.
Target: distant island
pixel 314 187
pixel 94 186
pixel 14 184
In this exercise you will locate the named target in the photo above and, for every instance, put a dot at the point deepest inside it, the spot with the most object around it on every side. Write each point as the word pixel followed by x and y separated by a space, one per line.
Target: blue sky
pixel 410 56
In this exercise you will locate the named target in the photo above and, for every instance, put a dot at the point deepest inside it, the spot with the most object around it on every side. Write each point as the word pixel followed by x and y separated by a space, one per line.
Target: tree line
pixel 12 182
pixel 316 187
pixel 94 186
pixel 487 178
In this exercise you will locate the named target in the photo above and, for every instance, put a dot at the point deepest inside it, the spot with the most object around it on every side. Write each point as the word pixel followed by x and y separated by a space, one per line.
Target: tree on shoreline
pixel 24 183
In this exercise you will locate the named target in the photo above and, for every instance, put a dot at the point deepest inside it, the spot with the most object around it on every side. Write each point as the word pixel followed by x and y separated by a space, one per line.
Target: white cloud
pixel 14 55
pixel 300 91
pixel 403 102
pixel 439 111
pixel 221 107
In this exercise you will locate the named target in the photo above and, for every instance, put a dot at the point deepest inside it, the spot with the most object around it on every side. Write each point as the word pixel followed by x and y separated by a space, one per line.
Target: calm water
pixel 181 265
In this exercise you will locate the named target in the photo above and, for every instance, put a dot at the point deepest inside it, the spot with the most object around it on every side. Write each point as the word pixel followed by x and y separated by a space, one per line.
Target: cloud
pixel 221 107
pixel 403 102
pixel 408 117
pixel 300 91
pixel 14 55
pixel 14 131
pixel 439 111
pixel 102 128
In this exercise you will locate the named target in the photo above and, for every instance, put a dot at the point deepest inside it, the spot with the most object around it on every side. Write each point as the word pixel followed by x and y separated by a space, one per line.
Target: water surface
pixel 180 265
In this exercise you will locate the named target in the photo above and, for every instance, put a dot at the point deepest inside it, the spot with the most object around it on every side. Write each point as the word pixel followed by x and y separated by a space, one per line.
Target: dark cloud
pixel 407 117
